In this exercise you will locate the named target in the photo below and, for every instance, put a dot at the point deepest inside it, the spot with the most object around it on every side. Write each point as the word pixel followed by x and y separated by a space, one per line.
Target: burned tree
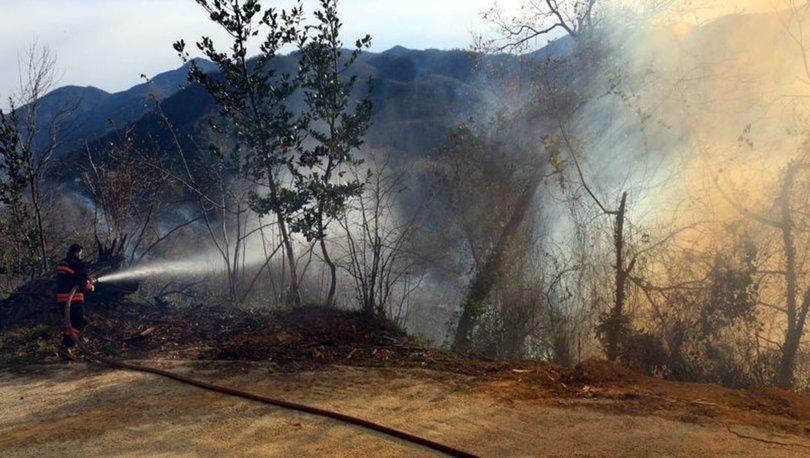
pixel 489 273
pixel 796 307
pixel 130 194
pixel 221 195
pixel 379 258
pixel 551 97
pixel 490 181
pixel 26 157
pixel 537 20
pixel 111 258
pixel 614 325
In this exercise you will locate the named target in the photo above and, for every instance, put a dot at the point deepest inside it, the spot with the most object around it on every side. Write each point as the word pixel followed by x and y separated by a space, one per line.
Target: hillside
pixel 336 360
pixel 605 257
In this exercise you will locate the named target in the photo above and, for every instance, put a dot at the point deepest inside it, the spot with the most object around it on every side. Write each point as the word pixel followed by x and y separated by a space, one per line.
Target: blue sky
pixel 110 43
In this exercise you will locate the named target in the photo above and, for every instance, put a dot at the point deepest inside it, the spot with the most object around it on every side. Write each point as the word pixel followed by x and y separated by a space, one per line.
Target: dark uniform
pixel 72 272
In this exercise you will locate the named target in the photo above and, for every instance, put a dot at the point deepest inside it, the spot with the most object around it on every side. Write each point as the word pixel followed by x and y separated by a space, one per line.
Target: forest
pixel 598 179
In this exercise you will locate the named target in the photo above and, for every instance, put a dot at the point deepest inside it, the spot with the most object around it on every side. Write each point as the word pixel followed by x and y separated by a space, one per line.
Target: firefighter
pixel 72 272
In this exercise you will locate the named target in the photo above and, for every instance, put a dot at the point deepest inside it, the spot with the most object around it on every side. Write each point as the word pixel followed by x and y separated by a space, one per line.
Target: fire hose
pixel 402 435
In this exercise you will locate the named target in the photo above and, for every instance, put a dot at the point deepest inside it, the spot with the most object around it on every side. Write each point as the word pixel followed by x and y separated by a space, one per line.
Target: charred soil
pixel 316 339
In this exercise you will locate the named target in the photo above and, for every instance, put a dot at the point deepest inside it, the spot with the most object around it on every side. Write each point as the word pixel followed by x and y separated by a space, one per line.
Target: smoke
pixel 704 110
pixel 703 96
pixel 680 107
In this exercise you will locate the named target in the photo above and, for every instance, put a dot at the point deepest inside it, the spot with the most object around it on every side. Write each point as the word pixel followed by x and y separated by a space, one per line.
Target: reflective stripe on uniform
pixel 64 297
pixel 65 269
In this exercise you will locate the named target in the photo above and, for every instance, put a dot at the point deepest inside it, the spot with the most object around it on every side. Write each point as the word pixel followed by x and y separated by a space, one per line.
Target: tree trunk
pixel 614 328
pixel 793 339
pixel 43 243
pixel 793 335
pixel 295 291
pixel 784 375
pixel 330 298
pixel 486 278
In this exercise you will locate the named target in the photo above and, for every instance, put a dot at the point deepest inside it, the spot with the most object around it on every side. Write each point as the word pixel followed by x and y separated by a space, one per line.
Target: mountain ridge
pixel 88 112
pixel 417 95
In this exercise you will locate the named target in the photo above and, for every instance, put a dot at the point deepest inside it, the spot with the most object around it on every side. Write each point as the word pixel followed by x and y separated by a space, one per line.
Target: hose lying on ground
pixel 263 399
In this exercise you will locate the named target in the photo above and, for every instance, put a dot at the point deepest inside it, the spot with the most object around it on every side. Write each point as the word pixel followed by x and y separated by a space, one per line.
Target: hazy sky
pixel 109 43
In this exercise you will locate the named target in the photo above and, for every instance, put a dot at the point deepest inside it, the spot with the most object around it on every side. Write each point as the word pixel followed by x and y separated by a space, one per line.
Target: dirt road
pixel 84 410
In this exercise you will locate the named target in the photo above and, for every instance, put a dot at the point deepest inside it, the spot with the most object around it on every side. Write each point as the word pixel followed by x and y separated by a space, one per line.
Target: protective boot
pixel 68 354
pixel 68 351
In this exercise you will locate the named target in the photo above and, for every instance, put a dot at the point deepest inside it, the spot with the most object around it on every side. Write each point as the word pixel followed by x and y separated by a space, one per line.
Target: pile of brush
pixel 33 302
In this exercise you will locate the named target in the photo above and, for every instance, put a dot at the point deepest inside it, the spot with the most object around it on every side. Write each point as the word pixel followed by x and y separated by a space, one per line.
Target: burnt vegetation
pixel 543 196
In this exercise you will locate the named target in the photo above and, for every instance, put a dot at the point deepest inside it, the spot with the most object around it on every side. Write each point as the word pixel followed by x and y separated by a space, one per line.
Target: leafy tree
pixel 253 96
pixel 337 125
pixel 13 161
pixel 13 183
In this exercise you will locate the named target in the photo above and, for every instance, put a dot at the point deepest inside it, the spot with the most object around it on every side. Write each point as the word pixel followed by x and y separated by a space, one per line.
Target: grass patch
pixel 27 344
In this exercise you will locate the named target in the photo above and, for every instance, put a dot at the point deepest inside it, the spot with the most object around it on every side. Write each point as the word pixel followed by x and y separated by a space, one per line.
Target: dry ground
pixel 81 410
